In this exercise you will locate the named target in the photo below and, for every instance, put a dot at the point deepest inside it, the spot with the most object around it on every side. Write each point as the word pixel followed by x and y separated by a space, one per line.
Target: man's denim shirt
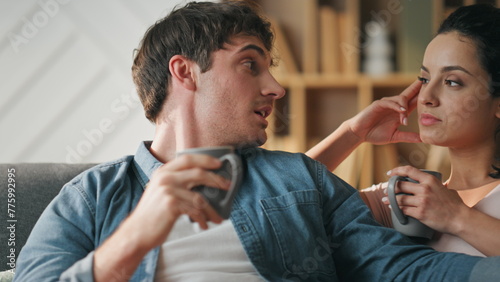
pixel 295 219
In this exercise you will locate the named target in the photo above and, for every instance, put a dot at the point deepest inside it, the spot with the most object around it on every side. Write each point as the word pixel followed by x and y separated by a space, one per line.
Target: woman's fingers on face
pixel 396 103
pixel 412 103
pixel 407 98
pixel 412 91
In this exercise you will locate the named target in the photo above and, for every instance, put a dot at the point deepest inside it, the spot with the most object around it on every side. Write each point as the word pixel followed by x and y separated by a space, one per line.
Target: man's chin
pixel 261 139
pixel 256 142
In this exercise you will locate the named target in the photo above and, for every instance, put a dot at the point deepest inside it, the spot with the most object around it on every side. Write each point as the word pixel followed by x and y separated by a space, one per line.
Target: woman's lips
pixel 428 119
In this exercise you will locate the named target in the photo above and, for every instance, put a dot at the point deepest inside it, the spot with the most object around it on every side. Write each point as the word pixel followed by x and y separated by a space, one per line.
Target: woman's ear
pixel 182 71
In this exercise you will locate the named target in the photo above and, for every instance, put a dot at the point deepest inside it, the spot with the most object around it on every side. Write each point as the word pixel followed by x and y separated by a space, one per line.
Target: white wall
pixel 66 92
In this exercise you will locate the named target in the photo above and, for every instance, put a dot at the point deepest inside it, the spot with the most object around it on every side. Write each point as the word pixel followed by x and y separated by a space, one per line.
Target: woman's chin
pixel 434 139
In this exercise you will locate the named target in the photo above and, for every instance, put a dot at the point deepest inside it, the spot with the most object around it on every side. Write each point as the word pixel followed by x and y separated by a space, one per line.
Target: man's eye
pixel 423 79
pixel 250 64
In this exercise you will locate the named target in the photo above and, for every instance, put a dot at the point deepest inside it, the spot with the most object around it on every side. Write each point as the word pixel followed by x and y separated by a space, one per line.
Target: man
pixel 202 74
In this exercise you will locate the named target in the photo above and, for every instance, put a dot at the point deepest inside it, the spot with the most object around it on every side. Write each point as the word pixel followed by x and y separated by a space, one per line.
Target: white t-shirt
pixel 192 254
pixel 489 205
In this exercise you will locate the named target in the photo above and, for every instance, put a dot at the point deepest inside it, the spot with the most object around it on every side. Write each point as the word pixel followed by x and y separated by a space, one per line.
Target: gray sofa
pixel 35 185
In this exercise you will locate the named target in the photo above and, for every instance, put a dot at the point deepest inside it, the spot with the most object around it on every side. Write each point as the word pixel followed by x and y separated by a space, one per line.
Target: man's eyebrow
pixel 449 68
pixel 253 47
pixel 259 50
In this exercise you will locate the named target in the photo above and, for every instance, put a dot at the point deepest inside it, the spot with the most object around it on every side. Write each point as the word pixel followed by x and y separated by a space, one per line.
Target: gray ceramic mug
pixel 231 169
pixel 406 224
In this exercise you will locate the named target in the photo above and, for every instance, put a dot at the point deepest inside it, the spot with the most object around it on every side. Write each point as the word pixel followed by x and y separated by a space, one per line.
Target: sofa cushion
pixel 33 186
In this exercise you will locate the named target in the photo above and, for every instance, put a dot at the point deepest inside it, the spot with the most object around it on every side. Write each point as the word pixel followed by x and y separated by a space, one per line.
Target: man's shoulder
pixel 103 174
pixel 280 161
pixel 258 153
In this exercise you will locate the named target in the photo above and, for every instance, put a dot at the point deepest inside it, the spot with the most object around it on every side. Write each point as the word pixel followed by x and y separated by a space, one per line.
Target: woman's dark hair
pixel 481 24
pixel 194 31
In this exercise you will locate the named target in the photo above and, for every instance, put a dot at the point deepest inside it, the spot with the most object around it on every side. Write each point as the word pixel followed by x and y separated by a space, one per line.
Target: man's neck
pixel 170 138
pixel 175 125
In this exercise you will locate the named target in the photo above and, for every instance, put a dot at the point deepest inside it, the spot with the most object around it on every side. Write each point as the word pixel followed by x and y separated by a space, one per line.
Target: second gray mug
pixel 407 225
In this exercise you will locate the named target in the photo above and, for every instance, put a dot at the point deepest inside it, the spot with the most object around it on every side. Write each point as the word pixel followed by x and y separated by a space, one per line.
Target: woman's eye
pixel 451 83
pixel 423 80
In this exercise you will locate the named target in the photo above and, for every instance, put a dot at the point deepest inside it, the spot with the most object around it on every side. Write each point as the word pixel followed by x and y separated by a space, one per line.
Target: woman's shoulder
pixel 490 203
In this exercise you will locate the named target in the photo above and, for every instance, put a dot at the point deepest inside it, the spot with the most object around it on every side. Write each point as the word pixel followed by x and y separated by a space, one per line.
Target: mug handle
pixel 391 187
pixel 236 174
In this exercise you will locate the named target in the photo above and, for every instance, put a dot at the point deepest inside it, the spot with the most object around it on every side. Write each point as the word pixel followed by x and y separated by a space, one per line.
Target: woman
pixel 459 108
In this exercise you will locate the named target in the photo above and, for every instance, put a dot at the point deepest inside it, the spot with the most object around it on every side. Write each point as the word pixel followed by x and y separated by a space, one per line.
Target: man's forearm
pixel 119 256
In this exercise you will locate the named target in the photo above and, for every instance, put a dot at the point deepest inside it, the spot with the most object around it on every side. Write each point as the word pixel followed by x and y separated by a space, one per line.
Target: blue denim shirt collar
pixel 145 163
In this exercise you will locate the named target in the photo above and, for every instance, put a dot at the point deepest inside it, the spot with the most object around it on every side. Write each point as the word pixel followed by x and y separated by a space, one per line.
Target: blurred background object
pixel 66 87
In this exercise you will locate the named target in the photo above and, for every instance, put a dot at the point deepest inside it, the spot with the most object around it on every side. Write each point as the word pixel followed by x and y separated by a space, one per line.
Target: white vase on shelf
pixel 378 50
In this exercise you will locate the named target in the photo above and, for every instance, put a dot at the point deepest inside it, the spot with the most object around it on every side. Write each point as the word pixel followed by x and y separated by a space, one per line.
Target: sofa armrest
pixel 32 187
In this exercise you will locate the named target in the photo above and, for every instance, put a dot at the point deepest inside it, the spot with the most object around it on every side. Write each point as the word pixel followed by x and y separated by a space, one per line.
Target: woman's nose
pixel 428 95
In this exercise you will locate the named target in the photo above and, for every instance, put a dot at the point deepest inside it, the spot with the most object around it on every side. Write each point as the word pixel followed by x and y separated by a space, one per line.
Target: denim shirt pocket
pixel 297 225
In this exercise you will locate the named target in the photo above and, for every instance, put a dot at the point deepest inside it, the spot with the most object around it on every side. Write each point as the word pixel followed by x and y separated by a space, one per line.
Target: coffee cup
pixel 231 169
pixel 407 225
